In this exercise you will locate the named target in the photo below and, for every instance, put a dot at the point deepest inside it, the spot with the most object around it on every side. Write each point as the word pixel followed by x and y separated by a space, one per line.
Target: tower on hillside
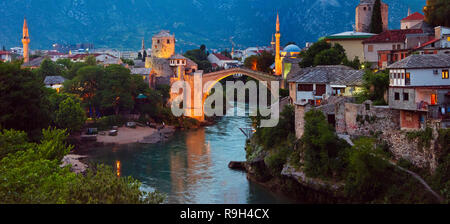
pixel 25 41
pixel 363 16
pixel 163 45
pixel 278 62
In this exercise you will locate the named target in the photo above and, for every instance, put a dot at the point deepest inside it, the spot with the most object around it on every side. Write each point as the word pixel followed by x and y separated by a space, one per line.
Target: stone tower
pixel 25 42
pixel 163 45
pixel 278 63
pixel 364 12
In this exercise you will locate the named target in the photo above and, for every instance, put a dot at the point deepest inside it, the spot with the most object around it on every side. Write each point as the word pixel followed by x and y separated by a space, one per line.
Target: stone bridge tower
pixel 363 17
pixel 163 45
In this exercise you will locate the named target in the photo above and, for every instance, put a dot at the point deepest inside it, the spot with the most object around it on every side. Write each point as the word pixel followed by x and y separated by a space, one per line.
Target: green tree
pixel 144 55
pixel 91 60
pixel 376 24
pixel 437 13
pixel 72 71
pixel 310 54
pixel 86 84
pixel 12 141
pixel 127 61
pixel 70 115
pixel 324 152
pixel 366 176
pixel 23 100
pixel 329 57
pixel 33 175
pixel 375 87
pixel 48 68
pixel 200 57
pixel 66 62
pixel 115 89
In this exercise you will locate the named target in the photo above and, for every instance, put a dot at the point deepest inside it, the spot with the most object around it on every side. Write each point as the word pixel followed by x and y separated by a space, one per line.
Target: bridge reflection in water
pixel 192 166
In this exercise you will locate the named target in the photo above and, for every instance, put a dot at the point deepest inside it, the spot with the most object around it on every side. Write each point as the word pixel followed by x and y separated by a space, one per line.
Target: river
pixel 192 166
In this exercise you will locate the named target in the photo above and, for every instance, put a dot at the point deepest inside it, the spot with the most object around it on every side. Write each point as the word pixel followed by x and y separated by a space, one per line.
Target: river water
pixel 192 166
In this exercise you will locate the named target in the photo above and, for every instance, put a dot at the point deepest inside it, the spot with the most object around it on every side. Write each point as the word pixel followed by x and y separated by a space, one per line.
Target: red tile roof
pixel 222 57
pixel 392 36
pixel 4 52
pixel 414 16
pixel 81 56
pixel 426 44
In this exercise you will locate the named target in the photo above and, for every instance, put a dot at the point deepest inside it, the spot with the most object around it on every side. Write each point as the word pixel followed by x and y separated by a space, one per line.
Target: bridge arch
pixel 214 77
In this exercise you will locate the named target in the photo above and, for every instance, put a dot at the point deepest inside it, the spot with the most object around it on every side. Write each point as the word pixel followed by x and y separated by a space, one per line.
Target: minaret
pixel 25 42
pixel 143 47
pixel 278 65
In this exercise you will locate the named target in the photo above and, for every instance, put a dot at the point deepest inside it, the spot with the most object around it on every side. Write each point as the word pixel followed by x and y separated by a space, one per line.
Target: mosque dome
pixel 292 48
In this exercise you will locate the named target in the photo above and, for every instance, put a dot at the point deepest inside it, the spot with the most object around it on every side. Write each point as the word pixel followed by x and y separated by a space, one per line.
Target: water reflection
pixel 192 166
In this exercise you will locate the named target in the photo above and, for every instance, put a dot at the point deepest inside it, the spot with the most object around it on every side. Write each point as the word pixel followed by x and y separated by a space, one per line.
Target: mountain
pixel 122 24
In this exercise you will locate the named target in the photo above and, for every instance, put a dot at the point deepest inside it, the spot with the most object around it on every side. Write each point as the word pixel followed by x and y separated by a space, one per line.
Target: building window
pixel 445 74
pixel 408 79
pixel 364 8
pixel 397 96
pixel 393 47
pixel 398 47
pixel 435 72
pixel 433 99
pixel 370 48
pixel 305 87
pixel 157 41
pixel 405 96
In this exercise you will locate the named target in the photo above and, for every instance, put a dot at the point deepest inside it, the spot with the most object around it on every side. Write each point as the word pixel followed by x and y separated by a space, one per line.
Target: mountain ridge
pixel 123 24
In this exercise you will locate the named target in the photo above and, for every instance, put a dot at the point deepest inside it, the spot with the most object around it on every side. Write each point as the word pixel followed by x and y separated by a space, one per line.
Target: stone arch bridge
pixel 213 78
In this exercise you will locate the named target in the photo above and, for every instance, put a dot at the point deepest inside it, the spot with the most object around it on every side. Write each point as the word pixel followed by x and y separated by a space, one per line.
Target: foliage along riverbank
pixel 322 168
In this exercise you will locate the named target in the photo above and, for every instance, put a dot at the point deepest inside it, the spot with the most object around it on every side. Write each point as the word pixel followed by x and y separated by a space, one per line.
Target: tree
pixel 226 53
pixel 375 86
pixel 260 62
pixel 86 84
pixel 72 71
pixel 437 13
pixel 91 60
pixel 200 57
pixel 127 61
pixel 328 57
pixel 115 89
pixel 366 177
pixel 144 55
pixel 23 101
pixel 324 152
pixel 48 68
pixel 33 175
pixel 70 115
pixel 376 24
pixel 251 62
pixel 310 54
pixel 67 63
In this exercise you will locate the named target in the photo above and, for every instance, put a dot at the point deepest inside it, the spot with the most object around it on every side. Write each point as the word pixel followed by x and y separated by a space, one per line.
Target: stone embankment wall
pixel 365 119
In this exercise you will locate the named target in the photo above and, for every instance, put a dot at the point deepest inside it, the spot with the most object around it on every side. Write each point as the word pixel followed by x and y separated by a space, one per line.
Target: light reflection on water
pixel 192 166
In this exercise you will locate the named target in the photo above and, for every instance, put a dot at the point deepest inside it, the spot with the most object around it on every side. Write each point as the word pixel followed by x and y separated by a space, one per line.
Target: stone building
pixel 165 65
pixel 364 13
pixel 163 45
pixel 420 89
pixel 315 84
